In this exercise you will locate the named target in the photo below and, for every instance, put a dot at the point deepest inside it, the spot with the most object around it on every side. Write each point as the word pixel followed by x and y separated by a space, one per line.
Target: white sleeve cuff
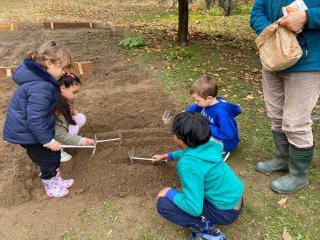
pixel 49 143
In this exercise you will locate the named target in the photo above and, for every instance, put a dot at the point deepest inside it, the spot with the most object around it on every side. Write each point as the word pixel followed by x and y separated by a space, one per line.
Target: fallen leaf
pixel 250 97
pixel 221 69
pixel 282 201
pixel 109 233
pixel 311 187
pixel 260 110
pixel 286 235
pixel 36 211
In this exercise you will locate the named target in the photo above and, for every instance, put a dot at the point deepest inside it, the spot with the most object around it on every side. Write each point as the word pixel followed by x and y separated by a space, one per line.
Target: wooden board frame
pixel 79 68
pixel 8 26
pixel 67 25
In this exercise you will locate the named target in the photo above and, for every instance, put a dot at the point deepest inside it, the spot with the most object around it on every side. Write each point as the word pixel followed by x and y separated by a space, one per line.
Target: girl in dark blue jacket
pixel 30 121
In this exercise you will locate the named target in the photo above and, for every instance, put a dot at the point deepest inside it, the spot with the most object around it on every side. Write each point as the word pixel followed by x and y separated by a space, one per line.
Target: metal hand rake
pixel 119 138
pixel 166 118
pixel 78 146
pixel 94 147
pixel 132 157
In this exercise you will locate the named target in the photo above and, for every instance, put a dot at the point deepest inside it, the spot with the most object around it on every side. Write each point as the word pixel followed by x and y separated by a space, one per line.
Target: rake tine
pixel 95 147
pixel 120 136
pixel 130 154
pixel 166 118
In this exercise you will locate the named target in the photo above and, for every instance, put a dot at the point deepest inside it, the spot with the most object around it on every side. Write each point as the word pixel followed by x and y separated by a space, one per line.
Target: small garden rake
pixel 94 147
pixel 132 157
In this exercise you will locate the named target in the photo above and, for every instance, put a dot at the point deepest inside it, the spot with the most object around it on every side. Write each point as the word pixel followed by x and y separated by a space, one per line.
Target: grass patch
pixel 210 22
pixel 98 222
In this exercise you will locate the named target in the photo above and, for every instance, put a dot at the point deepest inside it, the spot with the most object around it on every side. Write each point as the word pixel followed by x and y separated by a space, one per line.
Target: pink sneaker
pixel 53 189
pixel 64 183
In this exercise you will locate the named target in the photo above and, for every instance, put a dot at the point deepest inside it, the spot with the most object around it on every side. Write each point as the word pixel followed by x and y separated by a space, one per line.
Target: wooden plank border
pixel 67 25
pixel 8 26
pixel 79 68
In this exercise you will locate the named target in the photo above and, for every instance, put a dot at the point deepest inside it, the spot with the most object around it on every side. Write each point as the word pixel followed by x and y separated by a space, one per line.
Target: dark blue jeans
pixel 47 160
pixel 171 212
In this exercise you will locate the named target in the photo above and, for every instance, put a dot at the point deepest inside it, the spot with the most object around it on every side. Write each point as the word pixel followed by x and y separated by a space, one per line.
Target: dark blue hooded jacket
pixel 223 125
pixel 30 118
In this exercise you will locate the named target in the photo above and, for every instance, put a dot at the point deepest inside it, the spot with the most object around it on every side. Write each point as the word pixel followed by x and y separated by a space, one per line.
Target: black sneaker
pixel 206 232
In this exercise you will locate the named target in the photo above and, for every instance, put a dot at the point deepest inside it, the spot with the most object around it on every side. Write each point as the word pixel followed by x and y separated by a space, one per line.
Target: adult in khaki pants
pixel 291 94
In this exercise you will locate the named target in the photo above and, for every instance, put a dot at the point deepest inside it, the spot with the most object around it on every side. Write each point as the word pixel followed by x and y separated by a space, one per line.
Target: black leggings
pixel 47 160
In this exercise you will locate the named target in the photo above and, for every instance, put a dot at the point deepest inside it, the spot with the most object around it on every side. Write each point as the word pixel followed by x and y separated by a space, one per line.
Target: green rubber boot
pixel 280 160
pixel 297 178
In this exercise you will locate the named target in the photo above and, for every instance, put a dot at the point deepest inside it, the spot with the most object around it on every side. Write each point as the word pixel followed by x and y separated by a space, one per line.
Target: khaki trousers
pixel 290 99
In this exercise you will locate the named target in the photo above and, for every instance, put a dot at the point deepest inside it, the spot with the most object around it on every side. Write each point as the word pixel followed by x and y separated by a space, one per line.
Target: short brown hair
pixel 204 87
pixel 53 52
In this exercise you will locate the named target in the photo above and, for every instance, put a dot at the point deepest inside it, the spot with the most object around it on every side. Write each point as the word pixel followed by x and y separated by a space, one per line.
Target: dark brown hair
pixel 204 87
pixel 192 128
pixel 63 104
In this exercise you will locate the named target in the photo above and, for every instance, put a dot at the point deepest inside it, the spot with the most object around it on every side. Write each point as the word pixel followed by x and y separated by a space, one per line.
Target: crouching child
pixel 211 193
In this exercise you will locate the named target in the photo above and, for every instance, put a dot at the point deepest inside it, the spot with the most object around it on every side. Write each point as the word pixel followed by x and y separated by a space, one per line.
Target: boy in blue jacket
pixel 211 192
pixel 220 113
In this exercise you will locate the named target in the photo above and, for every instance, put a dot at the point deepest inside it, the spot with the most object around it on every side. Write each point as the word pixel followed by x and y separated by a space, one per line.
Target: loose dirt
pixel 120 95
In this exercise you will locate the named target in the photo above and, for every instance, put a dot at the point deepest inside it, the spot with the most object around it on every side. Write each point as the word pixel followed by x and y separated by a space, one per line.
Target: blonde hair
pixel 204 87
pixel 53 52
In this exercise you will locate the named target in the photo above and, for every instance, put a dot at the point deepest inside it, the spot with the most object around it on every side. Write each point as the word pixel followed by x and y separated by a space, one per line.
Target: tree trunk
pixel 183 22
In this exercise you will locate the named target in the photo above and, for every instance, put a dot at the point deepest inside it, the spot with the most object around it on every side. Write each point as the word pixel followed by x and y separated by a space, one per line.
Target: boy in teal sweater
pixel 211 192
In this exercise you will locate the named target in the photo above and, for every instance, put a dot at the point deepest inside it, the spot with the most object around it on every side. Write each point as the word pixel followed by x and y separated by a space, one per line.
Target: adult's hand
pixel 294 21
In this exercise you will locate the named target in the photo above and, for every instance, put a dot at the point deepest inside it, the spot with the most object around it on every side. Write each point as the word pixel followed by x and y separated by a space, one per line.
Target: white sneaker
pixel 65 157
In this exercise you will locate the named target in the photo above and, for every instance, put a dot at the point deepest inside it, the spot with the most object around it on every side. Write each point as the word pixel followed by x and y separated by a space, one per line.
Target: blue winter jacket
pixel 30 118
pixel 265 12
pixel 223 125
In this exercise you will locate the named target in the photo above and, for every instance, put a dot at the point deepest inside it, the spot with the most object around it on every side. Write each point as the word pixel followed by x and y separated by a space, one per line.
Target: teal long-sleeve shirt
pixel 204 175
